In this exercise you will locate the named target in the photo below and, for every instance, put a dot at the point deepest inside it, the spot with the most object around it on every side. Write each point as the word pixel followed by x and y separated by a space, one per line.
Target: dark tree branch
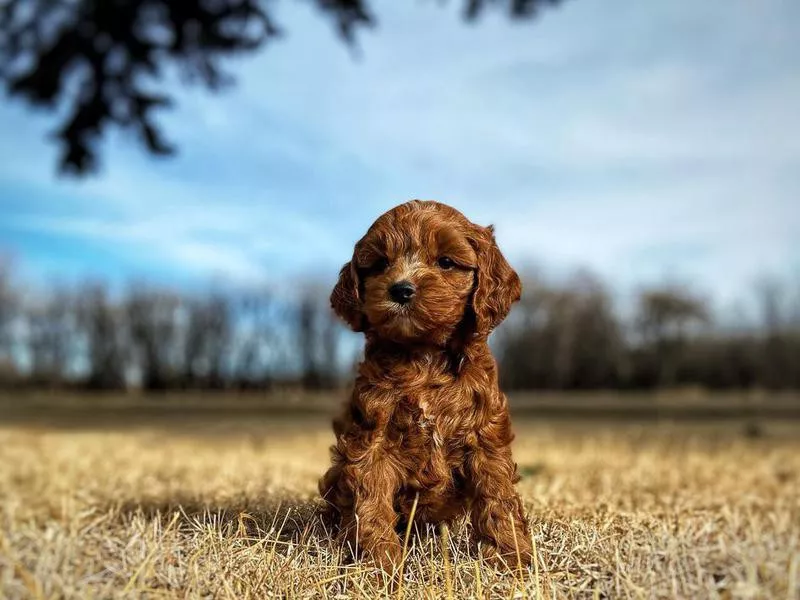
pixel 98 59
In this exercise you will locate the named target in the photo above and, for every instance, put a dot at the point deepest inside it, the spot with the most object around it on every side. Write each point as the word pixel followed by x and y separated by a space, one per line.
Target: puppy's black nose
pixel 402 292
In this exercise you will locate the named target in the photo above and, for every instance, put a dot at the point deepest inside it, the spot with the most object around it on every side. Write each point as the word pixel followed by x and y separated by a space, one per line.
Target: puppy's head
pixel 421 273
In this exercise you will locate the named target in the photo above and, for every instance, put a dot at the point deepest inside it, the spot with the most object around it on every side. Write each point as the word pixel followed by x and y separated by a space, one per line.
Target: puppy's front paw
pixel 508 557
pixel 387 556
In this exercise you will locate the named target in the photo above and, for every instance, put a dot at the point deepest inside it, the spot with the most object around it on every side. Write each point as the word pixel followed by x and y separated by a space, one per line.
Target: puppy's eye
pixel 379 266
pixel 445 262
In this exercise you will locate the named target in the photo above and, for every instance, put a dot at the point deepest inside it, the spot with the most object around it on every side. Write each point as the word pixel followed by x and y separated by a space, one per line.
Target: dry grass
pixel 228 510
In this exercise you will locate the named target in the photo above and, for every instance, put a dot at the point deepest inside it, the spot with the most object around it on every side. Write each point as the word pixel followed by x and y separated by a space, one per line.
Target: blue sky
pixel 643 140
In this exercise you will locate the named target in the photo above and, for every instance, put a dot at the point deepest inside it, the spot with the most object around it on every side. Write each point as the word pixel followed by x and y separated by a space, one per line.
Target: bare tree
pixel 51 336
pixel 9 304
pixel 664 318
pixel 9 311
pixel 562 336
pixel 207 344
pixel 152 317
pixel 318 335
pixel 101 327
pixel 596 341
pixel 258 350
pixel 780 339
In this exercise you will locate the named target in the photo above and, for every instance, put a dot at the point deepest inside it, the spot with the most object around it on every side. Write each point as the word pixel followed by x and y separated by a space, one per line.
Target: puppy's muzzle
pixel 402 292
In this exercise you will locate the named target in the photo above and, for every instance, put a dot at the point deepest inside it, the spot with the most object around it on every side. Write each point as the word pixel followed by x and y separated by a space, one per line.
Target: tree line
pixel 576 335
pixel 569 334
pixel 92 337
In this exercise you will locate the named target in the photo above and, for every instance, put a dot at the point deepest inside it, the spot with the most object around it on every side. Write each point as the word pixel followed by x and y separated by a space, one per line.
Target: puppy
pixel 426 419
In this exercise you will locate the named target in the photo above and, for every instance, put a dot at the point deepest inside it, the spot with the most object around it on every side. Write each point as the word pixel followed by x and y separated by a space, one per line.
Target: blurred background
pixel 181 181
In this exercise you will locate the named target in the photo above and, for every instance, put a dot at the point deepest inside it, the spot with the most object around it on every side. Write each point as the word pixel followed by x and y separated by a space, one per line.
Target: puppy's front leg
pixel 498 516
pixel 371 522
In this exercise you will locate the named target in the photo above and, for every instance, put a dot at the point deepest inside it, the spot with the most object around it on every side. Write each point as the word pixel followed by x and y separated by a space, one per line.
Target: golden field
pixel 224 507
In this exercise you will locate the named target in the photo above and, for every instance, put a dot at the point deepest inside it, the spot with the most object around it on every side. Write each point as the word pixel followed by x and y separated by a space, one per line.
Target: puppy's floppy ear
pixel 497 285
pixel 345 298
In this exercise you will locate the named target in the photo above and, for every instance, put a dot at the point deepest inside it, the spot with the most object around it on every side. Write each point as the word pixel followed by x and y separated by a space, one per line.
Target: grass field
pixel 224 506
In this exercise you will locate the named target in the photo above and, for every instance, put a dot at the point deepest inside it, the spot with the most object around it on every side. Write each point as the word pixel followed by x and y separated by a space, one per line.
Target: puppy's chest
pixel 431 417
pixel 430 404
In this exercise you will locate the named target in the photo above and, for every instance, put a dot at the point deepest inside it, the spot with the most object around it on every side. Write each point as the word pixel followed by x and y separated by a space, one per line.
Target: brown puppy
pixel 426 417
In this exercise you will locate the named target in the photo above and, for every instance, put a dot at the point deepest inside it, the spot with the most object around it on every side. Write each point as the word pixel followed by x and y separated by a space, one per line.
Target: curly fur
pixel 426 416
